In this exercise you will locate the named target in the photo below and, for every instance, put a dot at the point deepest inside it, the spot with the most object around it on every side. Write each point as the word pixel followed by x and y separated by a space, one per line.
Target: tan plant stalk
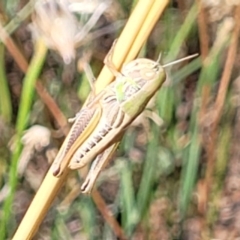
pixel 143 11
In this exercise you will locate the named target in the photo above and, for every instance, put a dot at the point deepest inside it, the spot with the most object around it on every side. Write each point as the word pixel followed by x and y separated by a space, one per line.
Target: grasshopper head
pixel 141 78
pixel 140 75
pixel 147 69
pixel 142 68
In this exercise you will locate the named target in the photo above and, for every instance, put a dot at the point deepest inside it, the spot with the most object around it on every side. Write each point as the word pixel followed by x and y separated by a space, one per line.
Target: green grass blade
pixel 187 70
pixel 20 17
pixel 145 188
pixel 208 77
pixel 129 211
pixel 189 171
pixel 167 96
pixel 5 98
pixel 22 121
pixel 183 32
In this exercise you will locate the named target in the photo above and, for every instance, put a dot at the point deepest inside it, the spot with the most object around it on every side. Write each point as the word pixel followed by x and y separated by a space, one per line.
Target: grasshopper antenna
pixel 159 57
pixel 180 60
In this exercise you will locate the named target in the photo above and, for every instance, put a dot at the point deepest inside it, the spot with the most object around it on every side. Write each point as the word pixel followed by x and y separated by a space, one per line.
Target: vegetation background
pixel 176 174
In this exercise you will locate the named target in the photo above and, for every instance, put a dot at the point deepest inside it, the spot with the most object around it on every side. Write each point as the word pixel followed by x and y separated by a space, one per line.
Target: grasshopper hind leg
pixel 96 167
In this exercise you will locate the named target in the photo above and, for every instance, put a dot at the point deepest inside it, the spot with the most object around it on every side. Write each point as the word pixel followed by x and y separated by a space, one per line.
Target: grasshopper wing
pixel 85 122
pixel 105 134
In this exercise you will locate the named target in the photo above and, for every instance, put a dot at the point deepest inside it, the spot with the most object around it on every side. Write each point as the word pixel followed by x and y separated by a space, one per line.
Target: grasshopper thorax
pixel 138 76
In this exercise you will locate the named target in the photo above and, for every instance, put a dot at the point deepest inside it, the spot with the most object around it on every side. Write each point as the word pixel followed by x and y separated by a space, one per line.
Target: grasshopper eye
pixel 148 74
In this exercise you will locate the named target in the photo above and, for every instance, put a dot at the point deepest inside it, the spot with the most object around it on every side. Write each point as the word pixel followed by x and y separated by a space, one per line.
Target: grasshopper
pixel 99 126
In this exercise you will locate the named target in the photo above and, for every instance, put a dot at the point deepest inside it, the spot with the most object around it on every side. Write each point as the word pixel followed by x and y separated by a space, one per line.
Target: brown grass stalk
pixel 203 30
pixel 204 48
pixel 220 99
pixel 42 92
pixel 106 213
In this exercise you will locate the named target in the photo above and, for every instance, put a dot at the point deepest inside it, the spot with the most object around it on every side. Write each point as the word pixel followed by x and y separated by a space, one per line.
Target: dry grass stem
pixel 203 30
pixel 152 17
pixel 221 97
pixel 107 215
pixel 125 42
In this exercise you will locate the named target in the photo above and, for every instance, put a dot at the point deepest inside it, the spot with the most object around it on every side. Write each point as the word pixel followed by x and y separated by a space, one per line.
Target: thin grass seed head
pixel 57 26
pixel 86 6
pixel 55 22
